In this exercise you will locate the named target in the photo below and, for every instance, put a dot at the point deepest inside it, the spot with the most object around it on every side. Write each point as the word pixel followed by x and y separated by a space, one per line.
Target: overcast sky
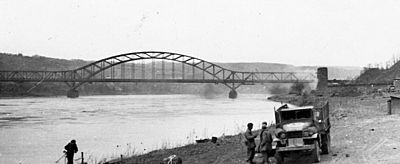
pixel 313 32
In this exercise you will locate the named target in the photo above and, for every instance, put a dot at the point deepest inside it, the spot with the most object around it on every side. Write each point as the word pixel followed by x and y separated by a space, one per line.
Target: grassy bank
pixel 222 151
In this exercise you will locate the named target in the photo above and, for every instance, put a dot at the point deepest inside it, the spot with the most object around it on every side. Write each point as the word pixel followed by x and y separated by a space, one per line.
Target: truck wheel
pixel 315 154
pixel 326 143
pixel 279 158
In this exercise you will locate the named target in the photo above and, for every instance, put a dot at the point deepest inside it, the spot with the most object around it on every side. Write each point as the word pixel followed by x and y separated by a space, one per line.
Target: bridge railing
pixel 33 76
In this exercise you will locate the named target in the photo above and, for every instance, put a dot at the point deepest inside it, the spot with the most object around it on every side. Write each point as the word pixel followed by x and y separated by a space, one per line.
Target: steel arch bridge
pixel 154 66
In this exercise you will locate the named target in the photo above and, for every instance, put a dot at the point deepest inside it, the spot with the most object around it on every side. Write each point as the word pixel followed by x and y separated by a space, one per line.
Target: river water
pixel 35 130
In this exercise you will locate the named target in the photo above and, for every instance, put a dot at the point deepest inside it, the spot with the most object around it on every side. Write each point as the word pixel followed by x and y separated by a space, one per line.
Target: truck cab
pixel 302 129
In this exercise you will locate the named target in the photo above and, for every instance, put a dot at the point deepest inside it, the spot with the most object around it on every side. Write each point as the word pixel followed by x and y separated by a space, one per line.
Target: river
pixel 35 130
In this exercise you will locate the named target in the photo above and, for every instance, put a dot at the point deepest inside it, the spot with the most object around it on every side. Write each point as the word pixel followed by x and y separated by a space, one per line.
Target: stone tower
pixel 322 76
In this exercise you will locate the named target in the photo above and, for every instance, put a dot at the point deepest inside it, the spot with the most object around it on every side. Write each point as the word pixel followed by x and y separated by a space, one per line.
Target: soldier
pixel 71 148
pixel 250 143
pixel 265 146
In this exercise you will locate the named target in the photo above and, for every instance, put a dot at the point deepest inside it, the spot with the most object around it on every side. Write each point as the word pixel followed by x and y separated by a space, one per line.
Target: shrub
pixel 297 88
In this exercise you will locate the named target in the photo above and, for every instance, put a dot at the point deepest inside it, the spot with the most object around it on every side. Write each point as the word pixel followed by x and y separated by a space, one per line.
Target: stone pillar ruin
pixel 322 76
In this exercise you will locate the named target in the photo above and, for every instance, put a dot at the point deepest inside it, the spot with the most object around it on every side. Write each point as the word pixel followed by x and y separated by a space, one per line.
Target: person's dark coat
pixel 265 141
pixel 251 145
pixel 250 139
pixel 71 148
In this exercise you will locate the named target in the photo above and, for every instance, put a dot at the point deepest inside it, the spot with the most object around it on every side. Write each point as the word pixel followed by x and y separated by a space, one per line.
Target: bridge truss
pixel 155 66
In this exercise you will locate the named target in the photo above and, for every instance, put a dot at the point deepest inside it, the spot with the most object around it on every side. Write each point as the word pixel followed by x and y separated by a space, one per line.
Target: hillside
pixel 41 63
pixel 376 75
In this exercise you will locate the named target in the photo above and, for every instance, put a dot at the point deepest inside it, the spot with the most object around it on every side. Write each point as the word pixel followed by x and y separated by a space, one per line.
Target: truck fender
pixel 275 142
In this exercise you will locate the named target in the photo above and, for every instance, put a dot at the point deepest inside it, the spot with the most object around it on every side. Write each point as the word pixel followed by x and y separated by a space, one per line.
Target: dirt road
pixel 364 141
pixel 372 140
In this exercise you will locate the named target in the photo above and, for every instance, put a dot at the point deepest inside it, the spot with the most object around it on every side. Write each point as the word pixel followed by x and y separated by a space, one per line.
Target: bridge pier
pixel 72 93
pixel 233 94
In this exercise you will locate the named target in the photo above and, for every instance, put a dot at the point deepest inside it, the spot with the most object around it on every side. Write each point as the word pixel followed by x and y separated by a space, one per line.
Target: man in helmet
pixel 70 150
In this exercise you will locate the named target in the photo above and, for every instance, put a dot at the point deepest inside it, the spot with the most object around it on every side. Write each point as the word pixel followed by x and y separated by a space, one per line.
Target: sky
pixel 298 32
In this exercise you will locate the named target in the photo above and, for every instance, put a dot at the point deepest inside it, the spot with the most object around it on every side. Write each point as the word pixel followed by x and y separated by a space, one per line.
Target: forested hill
pixel 41 63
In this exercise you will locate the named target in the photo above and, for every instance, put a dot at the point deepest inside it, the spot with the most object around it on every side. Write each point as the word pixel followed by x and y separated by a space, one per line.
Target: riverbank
pixel 228 149
pixel 362 132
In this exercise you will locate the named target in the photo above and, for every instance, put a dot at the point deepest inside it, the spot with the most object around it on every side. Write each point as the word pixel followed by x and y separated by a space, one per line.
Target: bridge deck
pixel 245 82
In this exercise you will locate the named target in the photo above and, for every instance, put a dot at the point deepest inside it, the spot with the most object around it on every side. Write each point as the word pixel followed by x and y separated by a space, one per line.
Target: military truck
pixel 302 129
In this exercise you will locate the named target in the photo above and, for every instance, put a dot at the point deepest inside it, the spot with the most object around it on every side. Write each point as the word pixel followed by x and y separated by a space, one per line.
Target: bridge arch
pixel 219 73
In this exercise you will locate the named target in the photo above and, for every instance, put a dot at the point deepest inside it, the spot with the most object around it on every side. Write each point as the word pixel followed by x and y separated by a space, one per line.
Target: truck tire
pixel 279 158
pixel 326 143
pixel 315 155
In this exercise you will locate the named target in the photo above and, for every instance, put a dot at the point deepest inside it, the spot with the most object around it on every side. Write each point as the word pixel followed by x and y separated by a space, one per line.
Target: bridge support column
pixel 233 94
pixel 72 93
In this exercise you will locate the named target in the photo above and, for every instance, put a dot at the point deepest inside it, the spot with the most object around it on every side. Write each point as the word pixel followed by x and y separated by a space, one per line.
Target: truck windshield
pixel 295 114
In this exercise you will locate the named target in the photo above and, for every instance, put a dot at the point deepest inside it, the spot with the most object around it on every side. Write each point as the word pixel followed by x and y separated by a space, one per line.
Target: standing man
pixel 250 143
pixel 265 146
pixel 71 149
